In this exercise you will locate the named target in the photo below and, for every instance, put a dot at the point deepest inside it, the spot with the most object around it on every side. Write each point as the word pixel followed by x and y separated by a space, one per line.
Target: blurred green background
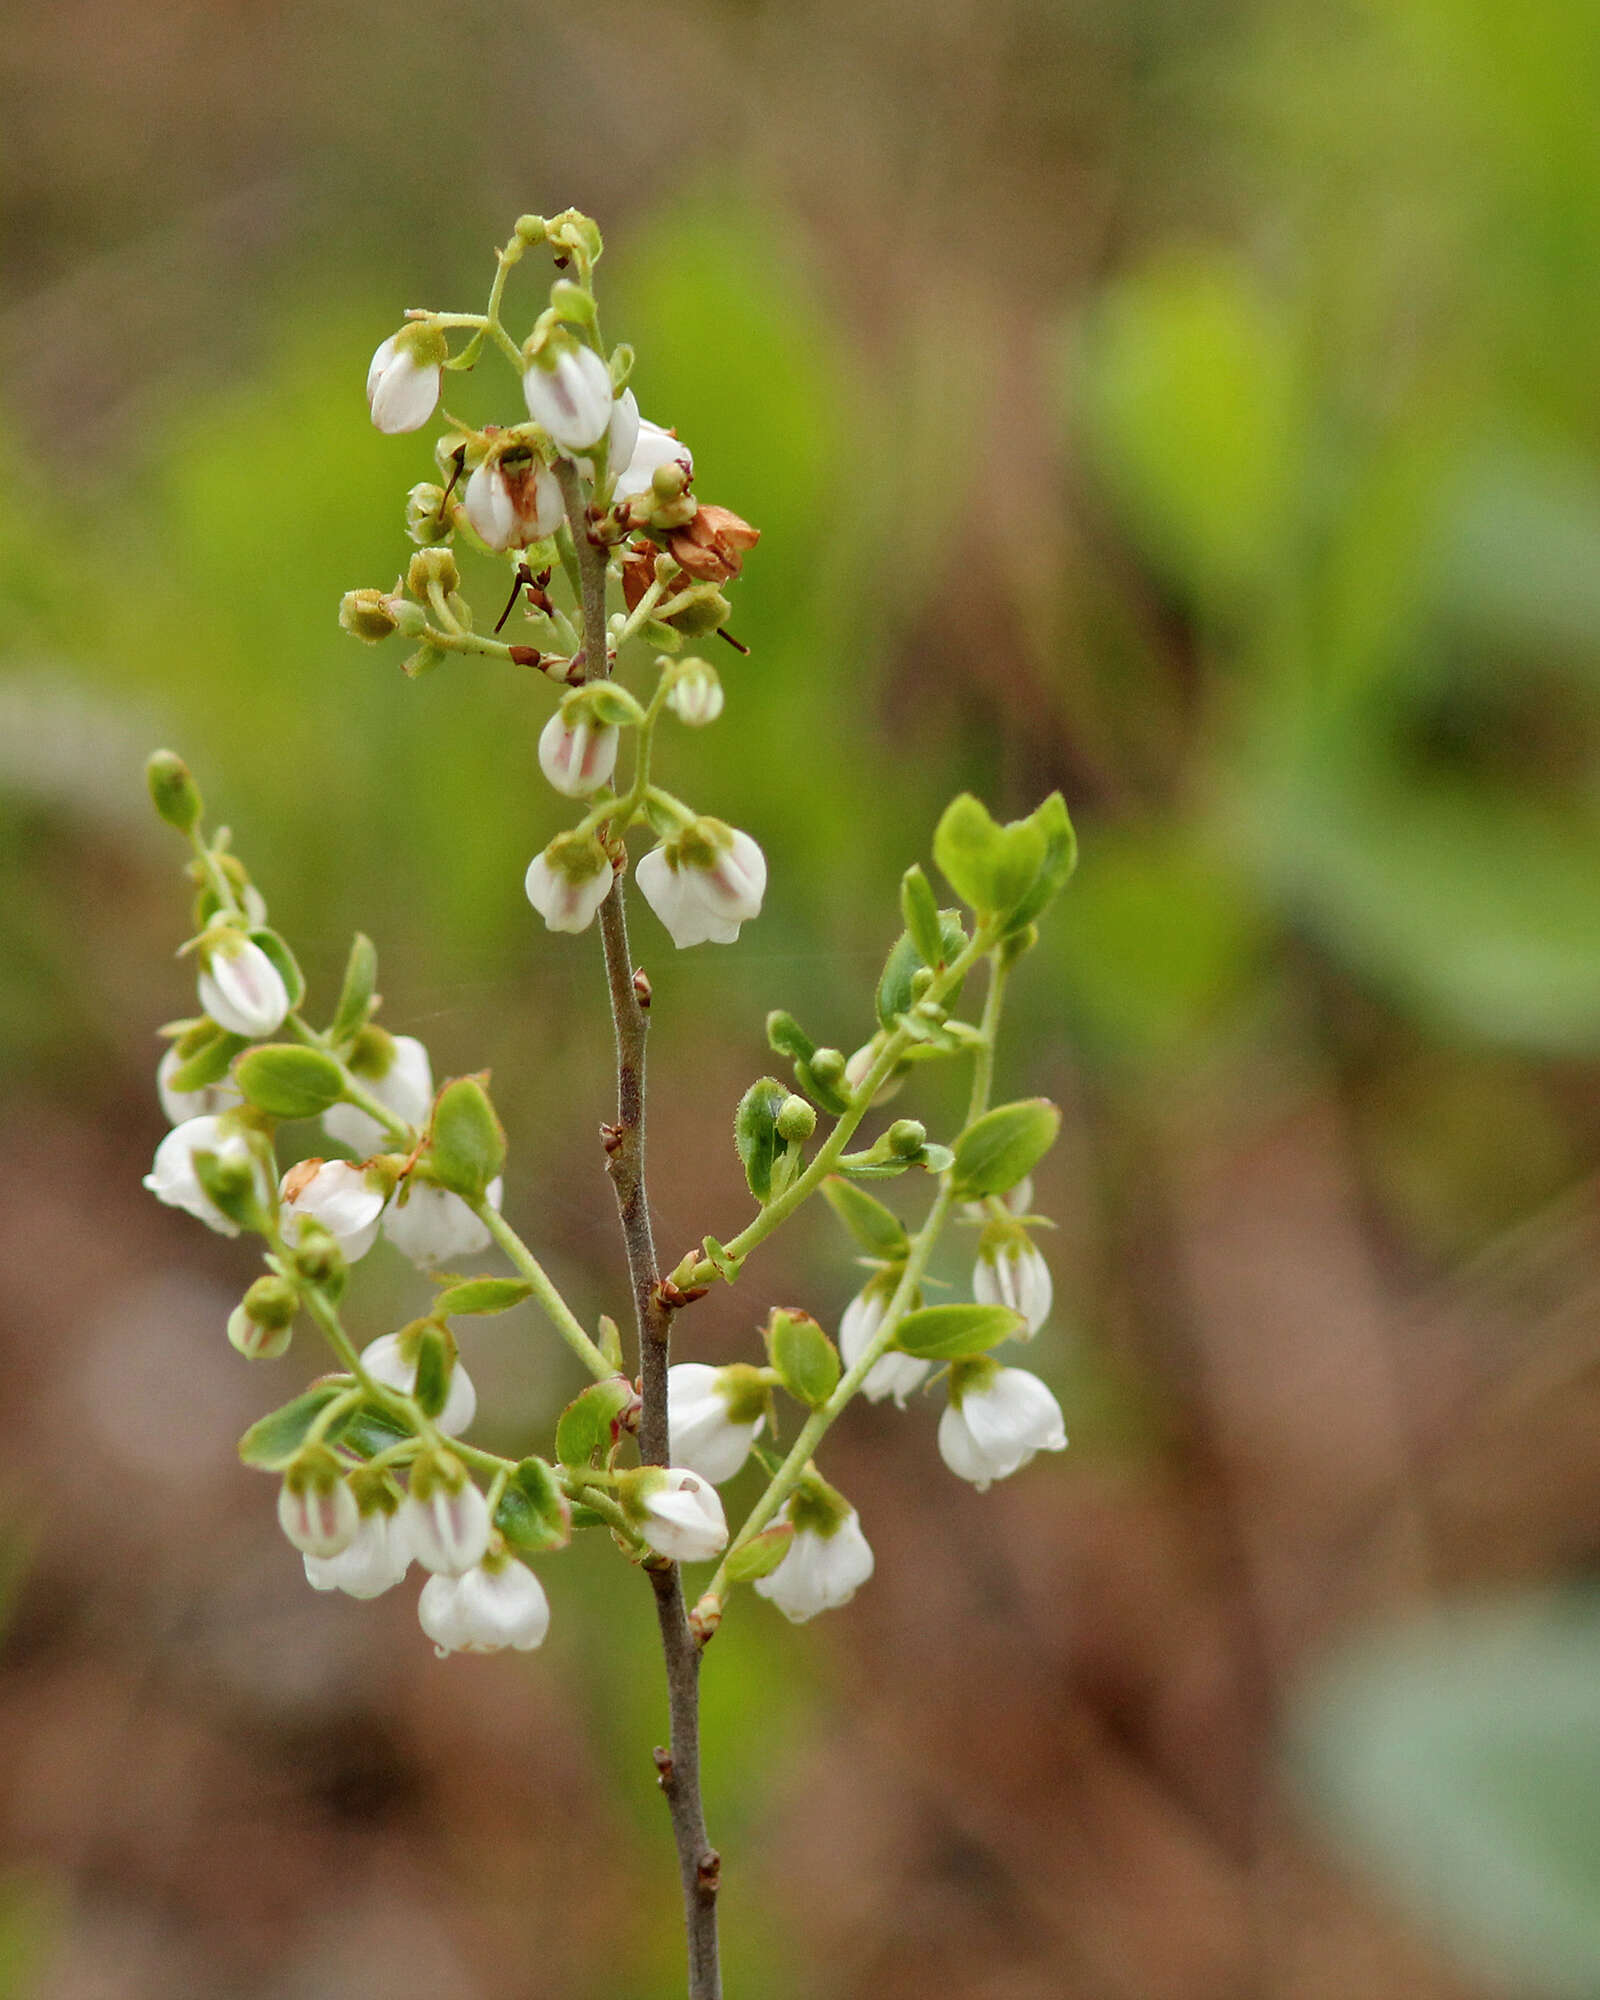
pixel 1191 406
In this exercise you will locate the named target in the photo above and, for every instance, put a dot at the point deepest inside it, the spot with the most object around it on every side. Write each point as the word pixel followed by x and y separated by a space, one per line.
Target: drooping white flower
pixel 512 501
pixel 653 447
pixel 446 1525
pixel 704 883
pixel 824 1568
pixel 1011 1272
pixel 997 1418
pixel 695 697
pixel 172 1177
pixel 318 1513
pixel 240 987
pixel 375 1560
pixel 568 882
pixel 385 1361
pixel 568 389
pixel 206 1102
pixel 405 1088
pixel 345 1199
pixel 622 435
pixel 892 1374
pixel 578 757
pixel 486 1609
pixel 404 379
pixel 709 1419
pixel 433 1226
pixel 677 1512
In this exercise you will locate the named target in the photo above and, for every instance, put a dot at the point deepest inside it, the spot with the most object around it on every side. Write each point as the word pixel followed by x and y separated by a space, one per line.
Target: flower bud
pixel 445 1517
pixel 676 1511
pixel 569 881
pixel 704 883
pixel 996 1419
pixel 428 519
pixel 317 1257
pixel 828 1560
pixel 892 1374
pixel 907 1137
pixel 653 448
pixel 368 615
pixel 405 377
pixel 346 1200
pixel 392 1359
pixel 714 1415
pixel 433 566
pixel 316 1509
pixel 796 1119
pixel 240 987
pixel 695 697
pixel 430 1225
pixel 578 757
pixel 375 1560
pixel 173 791
pixel 259 1325
pixel 492 1606
pixel 568 390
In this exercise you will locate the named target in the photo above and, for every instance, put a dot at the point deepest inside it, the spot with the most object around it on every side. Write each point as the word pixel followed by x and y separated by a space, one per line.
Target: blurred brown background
pixel 1189 405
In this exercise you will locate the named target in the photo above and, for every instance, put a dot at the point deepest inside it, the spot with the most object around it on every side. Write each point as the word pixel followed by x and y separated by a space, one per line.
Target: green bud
pixel 531 229
pixel 796 1119
pixel 318 1259
pixel 907 1137
pixel 668 481
pixel 259 1326
pixel 173 791
pixel 368 615
pixel 827 1066
pixel 432 566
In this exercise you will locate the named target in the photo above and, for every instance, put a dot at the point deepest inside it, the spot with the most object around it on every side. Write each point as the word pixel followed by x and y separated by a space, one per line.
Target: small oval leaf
pixel 946 1333
pixel 998 1149
pixel 272 1441
pixel 481 1295
pixel 287 1081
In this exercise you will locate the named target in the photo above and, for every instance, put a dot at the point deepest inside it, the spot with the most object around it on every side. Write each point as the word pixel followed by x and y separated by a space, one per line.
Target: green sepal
pixel 534 1514
pixel 806 1359
pixel 873 1226
pixel 273 1440
pixel 921 916
pixel 209 1062
pixel 727 1268
pixel 761 1555
pixel 602 704
pixel 996 1150
pixel 946 1333
pixel 232 1186
pixel 288 1081
pixel 1053 821
pixel 481 1295
pixel 466 1141
pixel 588 1424
pixel 284 962
pixel 755 1133
pixel 435 1363
pixel 355 996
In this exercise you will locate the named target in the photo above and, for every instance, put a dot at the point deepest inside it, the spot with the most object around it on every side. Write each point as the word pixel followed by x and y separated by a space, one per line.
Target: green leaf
pixel 355 996
pixel 284 961
pixel 761 1555
pixel 991 867
pixel 946 1333
pixel 873 1226
pixel 586 1424
pixel 805 1358
pixel 435 1358
pixel 288 1081
pixel 209 1062
pixel 755 1133
pixel 467 1145
pixel 786 1037
pixel 727 1268
pixel 821 1094
pixel 273 1440
pixel 373 1429
pixel 997 1149
pixel 481 1295
pixel 1054 824
pixel 534 1513
pixel 895 994
pixel 921 915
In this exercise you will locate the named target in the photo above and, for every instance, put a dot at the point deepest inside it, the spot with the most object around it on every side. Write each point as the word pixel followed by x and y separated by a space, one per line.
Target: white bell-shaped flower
pixel 568 882
pixel 404 379
pixel 704 883
pixel 578 757
pixel 710 1419
pixel 405 1087
pixel 375 1560
pixel 1011 1272
pixel 485 1610
pixel 385 1361
pixel 318 1512
pixel 892 1374
pixel 997 1418
pixel 622 434
pixel 345 1199
pixel 173 1180
pixel 568 389
pixel 513 500
pixel 207 1102
pixel 445 1520
pixel 433 1226
pixel 827 1562
pixel 240 987
pixel 695 697
pixel 677 1512
pixel 653 447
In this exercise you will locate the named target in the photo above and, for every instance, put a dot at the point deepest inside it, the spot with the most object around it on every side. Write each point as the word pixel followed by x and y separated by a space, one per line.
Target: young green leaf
pixel 208 1062
pixel 288 1081
pixel 945 1333
pixel 284 962
pixel 355 996
pixel 996 1150
pixel 761 1555
pixel 586 1425
pixel 755 1133
pixel 1060 858
pixel 481 1295
pixel 272 1441
pixel 921 914
pixel 874 1227
pixel 805 1358
pixel 467 1144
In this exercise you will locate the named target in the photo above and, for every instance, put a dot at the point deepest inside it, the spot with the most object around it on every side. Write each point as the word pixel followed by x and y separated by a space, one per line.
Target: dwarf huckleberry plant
pixel 325 1137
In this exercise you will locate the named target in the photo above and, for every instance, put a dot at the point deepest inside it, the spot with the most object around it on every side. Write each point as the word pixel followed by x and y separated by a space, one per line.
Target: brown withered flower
pixel 711 547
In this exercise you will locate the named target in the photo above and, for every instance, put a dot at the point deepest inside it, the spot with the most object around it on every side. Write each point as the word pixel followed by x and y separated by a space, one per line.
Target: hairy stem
pixel 678 1767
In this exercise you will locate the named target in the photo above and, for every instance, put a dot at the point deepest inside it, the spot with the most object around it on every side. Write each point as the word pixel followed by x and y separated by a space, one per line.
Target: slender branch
pixel 556 1310
pixel 678 1768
